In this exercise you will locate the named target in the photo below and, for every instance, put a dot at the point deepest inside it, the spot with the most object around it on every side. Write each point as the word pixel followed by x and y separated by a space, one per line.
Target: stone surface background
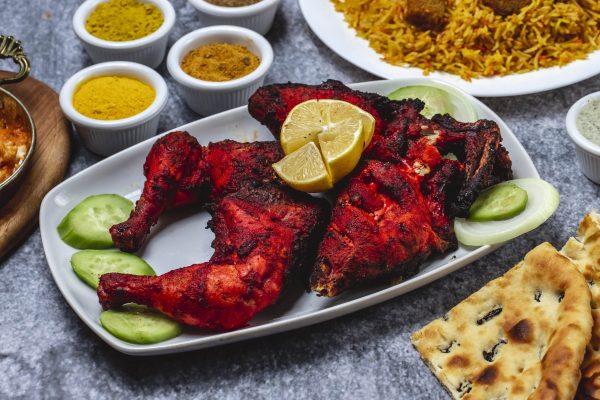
pixel 46 352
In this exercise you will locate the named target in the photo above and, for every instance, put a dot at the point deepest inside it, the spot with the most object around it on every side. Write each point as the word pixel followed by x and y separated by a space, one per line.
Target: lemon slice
pixel 304 170
pixel 340 111
pixel 341 146
pixel 302 126
pixel 307 120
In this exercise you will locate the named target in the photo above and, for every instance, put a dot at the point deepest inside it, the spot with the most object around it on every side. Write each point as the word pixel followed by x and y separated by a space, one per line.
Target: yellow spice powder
pixel 123 20
pixel 219 62
pixel 112 97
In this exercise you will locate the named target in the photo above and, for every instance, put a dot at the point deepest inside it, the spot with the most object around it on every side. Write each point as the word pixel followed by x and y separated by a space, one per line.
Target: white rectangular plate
pixel 180 239
pixel 330 27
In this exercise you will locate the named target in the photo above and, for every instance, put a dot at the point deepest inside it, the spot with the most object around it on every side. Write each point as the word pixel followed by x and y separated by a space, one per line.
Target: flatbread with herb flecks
pixel 584 252
pixel 522 336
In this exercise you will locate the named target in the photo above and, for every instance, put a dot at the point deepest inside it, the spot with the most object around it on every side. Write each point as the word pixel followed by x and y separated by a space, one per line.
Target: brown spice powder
pixel 232 3
pixel 219 62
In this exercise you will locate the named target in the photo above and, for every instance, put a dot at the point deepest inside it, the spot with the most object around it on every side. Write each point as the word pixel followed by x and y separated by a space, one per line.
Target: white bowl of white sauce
pixel 583 126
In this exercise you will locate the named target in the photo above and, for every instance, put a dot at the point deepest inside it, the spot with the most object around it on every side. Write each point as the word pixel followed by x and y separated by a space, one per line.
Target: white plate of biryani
pixel 181 239
pixel 488 50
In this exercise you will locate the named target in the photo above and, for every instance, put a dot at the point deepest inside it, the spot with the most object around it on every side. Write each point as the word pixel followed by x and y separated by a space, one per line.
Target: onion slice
pixel 543 200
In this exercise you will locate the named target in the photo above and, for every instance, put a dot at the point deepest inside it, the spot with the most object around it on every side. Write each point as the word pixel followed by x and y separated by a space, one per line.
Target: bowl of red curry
pixel 17 130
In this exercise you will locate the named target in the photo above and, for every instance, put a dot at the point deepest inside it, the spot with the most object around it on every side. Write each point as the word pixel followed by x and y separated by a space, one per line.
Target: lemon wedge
pixel 341 147
pixel 304 169
pixel 308 119
pixel 337 131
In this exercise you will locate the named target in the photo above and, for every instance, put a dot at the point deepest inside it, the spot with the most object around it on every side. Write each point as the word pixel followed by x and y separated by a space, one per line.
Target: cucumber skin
pixel 70 237
pixel 67 228
pixel 122 325
pixel 484 215
pixel 422 92
pixel 79 259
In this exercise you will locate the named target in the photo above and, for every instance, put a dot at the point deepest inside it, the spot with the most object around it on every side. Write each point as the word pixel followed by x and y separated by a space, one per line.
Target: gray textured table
pixel 46 352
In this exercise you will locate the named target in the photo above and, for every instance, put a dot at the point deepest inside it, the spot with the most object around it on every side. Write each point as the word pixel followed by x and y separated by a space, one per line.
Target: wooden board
pixel 48 164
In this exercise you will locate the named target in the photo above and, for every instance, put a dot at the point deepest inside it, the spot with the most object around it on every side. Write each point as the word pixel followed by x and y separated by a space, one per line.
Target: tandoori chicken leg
pixel 179 171
pixel 391 214
pixel 261 235
pixel 396 209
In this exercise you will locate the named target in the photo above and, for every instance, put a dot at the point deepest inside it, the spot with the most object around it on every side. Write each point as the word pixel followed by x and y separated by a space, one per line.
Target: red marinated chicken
pixel 477 145
pixel 263 231
pixel 172 179
pixel 179 171
pixel 391 214
pixel 382 225
pixel 395 211
pixel 231 165
pixel 261 234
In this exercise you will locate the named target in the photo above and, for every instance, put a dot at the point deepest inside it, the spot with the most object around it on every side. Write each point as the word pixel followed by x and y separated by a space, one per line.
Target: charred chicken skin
pixel 382 225
pixel 173 178
pixel 390 215
pixel 395 211
pixel 477 145
pixel 179 171
pixel 262 234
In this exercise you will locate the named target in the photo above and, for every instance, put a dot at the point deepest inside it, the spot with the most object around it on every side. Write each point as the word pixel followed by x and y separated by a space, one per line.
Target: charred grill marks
pixel 372 235
pixel 391 214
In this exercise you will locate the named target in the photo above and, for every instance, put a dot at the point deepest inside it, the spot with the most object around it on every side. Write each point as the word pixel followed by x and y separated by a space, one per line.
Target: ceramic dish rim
pixel 274 326
pixel 572 129
pixel 139 71
pixel 23 166
pixel 88 6
pixel 176 54
pixel 223 11
pixel 576 71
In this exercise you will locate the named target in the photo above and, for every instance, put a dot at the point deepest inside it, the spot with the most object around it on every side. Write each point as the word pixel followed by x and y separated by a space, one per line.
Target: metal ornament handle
pixel 11 48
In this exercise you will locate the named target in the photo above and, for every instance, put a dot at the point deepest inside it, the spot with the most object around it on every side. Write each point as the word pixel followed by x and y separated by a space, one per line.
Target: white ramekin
pixel 588 153
pixel 258 16
pixel 207 98
pixel 108 137
pixel 149 50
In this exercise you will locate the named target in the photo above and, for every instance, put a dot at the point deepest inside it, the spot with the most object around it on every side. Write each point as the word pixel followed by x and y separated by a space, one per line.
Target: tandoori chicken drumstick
pixel 179 171
pixel 261 235
pixel 391 214
pixel 173 178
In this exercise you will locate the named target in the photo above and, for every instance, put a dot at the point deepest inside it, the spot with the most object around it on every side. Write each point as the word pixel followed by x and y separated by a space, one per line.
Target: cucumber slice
pixel 498 203
pixel 438 99
pixel 88 265
pixel 86 225
pixel 543 200
pixel 139 324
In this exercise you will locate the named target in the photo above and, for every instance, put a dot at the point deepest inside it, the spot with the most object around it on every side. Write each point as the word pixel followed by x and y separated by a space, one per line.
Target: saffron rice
pixel 475 42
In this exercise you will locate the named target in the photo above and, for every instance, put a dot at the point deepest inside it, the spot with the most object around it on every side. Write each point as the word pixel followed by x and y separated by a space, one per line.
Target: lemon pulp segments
pixel 305 121
pixel 301 126
pixel 341 111
pixel 340 131
pixel 341 147
pixel 304 170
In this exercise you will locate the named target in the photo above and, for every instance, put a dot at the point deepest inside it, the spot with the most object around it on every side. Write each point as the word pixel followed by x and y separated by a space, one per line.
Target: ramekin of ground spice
pixel 219 67
pixel 112 97
pixel 256 15
pixel 123 20
pixel 232 3
pixel 219 62
pixel 129 30
pixel 114 105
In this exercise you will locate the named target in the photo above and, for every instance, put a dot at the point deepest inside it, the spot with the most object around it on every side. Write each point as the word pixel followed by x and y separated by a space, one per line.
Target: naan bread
pixel 584 252
pixel 522 336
